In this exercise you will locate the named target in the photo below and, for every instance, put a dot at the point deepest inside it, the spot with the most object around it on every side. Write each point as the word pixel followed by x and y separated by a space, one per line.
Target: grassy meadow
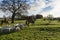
pixel 39 31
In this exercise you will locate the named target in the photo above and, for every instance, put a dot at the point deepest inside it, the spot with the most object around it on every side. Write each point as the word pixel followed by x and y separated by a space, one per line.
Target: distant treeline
pixel 38 16
pixel 23 17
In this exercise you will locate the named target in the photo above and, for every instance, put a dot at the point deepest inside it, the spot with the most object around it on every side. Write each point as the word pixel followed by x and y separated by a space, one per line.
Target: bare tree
pixel 14 6
pixel 50 18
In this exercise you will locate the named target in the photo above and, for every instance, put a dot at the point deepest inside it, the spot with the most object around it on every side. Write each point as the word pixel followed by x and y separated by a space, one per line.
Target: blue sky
pixel 44 7
pixel 40 6
pixel 0 0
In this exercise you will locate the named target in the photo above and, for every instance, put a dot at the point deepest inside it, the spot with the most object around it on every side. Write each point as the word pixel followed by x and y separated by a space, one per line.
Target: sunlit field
pixel 39 31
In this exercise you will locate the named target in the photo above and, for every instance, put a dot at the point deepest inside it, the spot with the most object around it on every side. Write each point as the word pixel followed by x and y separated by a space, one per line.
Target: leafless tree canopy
pixel 15 6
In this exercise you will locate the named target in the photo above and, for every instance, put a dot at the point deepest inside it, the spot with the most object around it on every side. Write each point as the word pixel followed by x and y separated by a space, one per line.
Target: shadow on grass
pixel 56 29
pixel 46 24
pixel 6 33
pixel 46 29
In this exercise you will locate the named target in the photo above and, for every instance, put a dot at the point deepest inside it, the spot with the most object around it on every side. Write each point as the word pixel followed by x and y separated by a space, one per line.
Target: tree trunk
pixel 13 16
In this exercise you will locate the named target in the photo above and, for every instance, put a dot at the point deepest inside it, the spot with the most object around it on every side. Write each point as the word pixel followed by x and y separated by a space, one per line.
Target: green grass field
pixel 39 31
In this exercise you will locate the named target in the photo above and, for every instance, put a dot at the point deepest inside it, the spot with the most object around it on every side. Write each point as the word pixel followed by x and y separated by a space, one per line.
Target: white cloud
pixel 1 13
pixel 56 10
pixel 7 13
pixel 37 7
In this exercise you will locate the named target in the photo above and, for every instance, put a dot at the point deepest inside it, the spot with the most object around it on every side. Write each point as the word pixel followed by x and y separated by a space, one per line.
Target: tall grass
pixel 39 31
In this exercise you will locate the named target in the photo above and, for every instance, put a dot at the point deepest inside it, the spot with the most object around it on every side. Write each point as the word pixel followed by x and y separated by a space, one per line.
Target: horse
pixel 30 19
pixel 5 20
